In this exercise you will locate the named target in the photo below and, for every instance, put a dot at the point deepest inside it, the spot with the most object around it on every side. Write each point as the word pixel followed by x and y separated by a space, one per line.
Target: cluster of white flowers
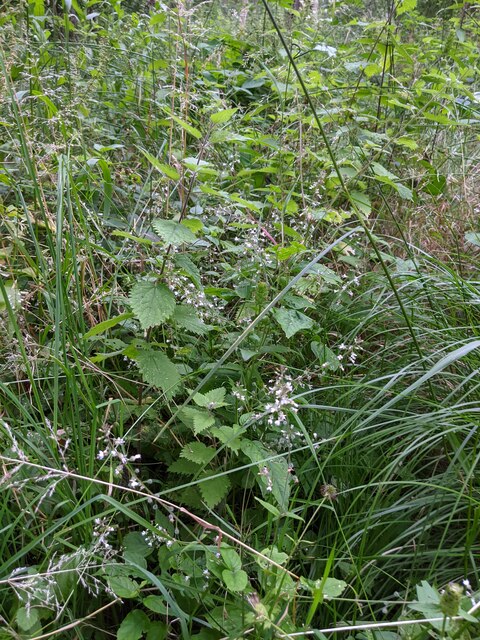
pixel 101 533
pixel 158 537
pixel 186 292
pixel 113 450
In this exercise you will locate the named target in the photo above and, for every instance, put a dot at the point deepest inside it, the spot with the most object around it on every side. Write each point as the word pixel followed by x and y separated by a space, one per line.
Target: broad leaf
pixel 124 587
pixel 235 580
pixel 166 169
pixel 198 452
pixel 223 116
pixel 405 5
pixel 27 618
pixel 133 626
pixel 292 321
pixel 158 370
pixel 215 490
pixel 173 232
pixel 196 419
pixel 156 604
pixel 211 399
pixel 184 316
pixel 152 303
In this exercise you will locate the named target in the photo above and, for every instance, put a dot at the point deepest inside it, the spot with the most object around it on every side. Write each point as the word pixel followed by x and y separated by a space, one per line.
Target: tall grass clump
pixel 239 321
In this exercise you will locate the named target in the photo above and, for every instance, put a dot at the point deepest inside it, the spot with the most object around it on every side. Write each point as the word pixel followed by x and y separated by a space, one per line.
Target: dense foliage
pixel 239 310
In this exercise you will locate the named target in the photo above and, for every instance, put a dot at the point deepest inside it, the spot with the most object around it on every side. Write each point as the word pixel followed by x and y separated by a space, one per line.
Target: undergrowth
pixel 239 320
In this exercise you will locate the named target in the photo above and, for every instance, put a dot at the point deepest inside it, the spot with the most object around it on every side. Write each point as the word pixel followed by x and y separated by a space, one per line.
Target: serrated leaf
pixel 184 316
pixel 189 268
pixel 292 321
pixel 124 587
pixel 223 116
pixel 235 580
pixel 152 303
pixel 212 399
pixel 166 169
pixel 198 452
pixel 133 626
pixel 184 467
pixel 196 419
pixel 229 436
pixel 158 370
pixel 215 490
pixel 26 618
pixel 173 232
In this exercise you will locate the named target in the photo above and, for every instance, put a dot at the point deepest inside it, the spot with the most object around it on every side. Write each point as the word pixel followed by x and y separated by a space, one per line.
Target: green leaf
pixel 229 436
pixel 184 316
pixel 156 604
pixel 101 327
pixel 427 594
pixel 223 116
pixel 27 618
pixel 189 268
pixel 361 200
pixel 231 558
pixel 274 476
pixel 187 127
pixel 274 554
pixel 133 626
pixel 194 224
pixel 404 141
pixel 212 399
pixel 325 355
pixel 405 5
pixel 158 370
pixel 135 547
pixel 157 630
pixel 292 321
pixel 124 587
pixel 333 588
pixel 327 587
pixel 473 237
pixel 196 419
pixel 215 490
pixel 184 467
pixel 152 303
pixel 166 169
pixel 235 580
pixel 173 232
pixel 198 452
